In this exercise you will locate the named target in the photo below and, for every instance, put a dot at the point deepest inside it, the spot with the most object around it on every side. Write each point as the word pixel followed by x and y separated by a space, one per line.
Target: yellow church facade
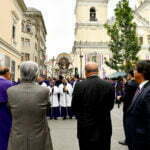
pixel 91 39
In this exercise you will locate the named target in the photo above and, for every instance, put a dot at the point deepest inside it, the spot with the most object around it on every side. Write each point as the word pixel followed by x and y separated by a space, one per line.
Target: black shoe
pixel 55 118
pixel 122 143
pixel 64 118
pixel 70 117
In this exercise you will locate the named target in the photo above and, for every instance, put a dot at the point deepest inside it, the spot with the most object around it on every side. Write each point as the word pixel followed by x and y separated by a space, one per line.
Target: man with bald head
pixel 5 117
pixel 92 102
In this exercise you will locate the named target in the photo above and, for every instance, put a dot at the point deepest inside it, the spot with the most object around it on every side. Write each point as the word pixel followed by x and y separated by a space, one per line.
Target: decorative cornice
pixel 22 4
pixel 32 12
pixel 143 5
pixel 9 47
pixel 93 24
pixel 146 47
pixel 80 44
pixel 142 18
pixel 145 22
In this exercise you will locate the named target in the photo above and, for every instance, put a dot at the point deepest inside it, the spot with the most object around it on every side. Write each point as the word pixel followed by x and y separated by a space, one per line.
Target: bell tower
pixel 91 15
pixel 91 39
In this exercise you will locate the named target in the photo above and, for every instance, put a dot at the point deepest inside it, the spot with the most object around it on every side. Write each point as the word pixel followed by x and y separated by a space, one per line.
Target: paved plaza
pixel 64 133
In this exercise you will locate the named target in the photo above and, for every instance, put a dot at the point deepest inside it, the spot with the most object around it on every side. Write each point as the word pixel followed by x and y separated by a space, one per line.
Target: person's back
pixel 92 102
pixel 28 104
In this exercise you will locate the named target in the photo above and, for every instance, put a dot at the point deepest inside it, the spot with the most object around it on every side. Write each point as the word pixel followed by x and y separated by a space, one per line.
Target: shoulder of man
pixel 105 83
pixel 132 83
pixel 12 88
pixel 8 82
pixel 147 88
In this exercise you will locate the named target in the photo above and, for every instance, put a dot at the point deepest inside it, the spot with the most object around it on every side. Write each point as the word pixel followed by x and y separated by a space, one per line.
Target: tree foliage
pixel 124 43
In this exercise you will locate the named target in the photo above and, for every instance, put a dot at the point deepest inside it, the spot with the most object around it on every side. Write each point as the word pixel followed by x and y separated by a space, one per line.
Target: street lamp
pixel 53 60
pixel 81 57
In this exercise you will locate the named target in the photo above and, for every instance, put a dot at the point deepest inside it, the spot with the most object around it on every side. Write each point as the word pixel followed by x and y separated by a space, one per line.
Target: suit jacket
pixel 130 89
pixel 28 103
pixel 5 116
pixel 138 118
pixel 92 102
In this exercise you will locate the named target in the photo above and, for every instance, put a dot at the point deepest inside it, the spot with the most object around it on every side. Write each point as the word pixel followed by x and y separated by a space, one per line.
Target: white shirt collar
pixel 142 84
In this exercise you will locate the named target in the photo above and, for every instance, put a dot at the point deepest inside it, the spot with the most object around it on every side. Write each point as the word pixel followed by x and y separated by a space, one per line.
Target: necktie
pixel 138 91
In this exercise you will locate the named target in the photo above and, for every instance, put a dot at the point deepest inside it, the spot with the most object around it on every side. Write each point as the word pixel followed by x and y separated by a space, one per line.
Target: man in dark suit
pixel 138 114
pixel 130 89
pixel 92 102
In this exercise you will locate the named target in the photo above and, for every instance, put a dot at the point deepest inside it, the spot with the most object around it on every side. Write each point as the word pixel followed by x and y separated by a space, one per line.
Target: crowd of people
pixel 61 91
pixel 26 105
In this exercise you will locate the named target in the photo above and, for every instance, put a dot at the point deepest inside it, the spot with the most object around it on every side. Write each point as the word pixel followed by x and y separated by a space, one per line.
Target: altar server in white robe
pixel 66 90
pixel 55 107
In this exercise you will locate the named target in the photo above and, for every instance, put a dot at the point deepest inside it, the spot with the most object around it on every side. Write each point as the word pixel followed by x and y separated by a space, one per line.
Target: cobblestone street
pixel 64 133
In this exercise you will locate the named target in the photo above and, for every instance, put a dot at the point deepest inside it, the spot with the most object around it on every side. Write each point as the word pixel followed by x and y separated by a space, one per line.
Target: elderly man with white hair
pixel 28 104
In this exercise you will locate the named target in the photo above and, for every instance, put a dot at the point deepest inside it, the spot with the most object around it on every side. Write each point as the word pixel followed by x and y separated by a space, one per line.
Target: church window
pixel 28 28
pixel 94 58
pixel 27 42
pixel 13 31
pixel 35 59
pixel 27 56
pixel 22 41
pixel 141 40
pixel 22 56
pixel 93 14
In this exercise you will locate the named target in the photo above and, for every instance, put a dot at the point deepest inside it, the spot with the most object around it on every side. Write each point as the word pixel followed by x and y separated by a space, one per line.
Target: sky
pixel 60 22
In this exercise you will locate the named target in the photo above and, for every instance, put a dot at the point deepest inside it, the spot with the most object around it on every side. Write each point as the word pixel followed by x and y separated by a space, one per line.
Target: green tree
pixel 124 43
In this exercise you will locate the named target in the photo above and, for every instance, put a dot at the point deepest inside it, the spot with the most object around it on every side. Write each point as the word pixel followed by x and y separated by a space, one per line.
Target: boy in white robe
pixel 66 90
pixel 55 111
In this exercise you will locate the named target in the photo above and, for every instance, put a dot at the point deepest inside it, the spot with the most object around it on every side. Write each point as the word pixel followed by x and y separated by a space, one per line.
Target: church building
pixel 91 39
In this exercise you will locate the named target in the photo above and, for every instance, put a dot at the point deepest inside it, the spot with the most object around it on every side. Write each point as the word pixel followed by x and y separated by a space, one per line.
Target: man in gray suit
pixel 28 103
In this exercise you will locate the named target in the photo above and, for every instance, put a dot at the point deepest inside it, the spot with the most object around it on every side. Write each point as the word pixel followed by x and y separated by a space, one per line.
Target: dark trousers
pixel 124 125
pixel 137 147
pixel 94 145
pixel 70 114
pixel 55 112
pixel 90 138
pixel 66 111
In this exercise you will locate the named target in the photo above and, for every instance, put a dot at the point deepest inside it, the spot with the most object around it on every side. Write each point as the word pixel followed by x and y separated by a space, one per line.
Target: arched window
pixel 13 31
pixel 93 14
pixel 28 28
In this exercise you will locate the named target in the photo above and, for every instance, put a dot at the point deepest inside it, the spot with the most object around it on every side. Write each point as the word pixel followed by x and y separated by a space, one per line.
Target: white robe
pixel 54 96
pixel 65 99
